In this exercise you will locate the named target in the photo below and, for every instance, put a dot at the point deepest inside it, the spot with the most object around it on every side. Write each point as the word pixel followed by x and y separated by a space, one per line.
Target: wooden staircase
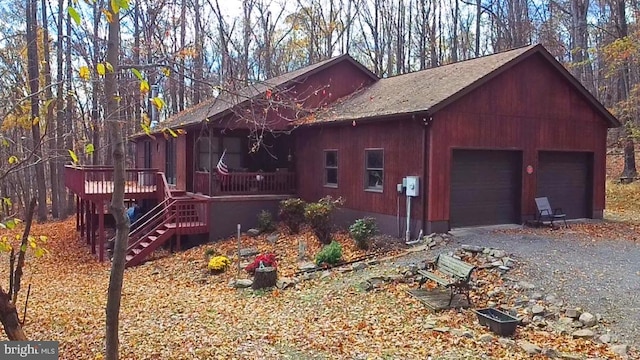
pixel 179 213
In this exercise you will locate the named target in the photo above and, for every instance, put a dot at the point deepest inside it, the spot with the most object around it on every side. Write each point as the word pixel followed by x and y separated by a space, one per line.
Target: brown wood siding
pixel 403 148
pixel 528 108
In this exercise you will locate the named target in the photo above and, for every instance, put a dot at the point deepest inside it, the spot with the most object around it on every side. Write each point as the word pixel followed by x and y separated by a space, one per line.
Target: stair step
pixel 152 238
pixel 129 257
pixel 145 244
pixel 161 231
pixel 136 251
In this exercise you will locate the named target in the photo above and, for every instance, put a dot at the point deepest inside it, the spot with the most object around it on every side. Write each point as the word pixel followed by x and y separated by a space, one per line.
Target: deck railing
pixel 246 183
pixel 98 179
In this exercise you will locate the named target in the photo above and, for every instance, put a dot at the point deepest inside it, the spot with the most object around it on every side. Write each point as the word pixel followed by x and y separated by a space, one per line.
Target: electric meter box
pixel 413 186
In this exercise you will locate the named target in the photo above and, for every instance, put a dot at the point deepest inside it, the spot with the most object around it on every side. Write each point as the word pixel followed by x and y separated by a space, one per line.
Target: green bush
pixel 292 214
pixel 318 216
pixel 330 254
pixel 362 230
pixel 265 222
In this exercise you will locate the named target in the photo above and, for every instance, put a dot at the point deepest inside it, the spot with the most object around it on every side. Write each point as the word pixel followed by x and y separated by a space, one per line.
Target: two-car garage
pixel 486 185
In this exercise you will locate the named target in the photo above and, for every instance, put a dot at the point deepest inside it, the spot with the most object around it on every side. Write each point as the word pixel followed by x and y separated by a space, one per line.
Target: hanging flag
pixel 222 167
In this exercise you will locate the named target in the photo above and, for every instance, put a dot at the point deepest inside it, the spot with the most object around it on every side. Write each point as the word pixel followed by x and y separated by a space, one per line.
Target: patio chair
pixel 547 213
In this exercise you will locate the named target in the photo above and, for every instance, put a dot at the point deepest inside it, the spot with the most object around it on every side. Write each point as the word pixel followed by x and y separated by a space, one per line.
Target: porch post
pixel 77 212
pixel 93 228
pixel 82 217
pixel 101 231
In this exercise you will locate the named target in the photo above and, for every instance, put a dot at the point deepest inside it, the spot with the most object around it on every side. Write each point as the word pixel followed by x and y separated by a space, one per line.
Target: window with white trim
pixel 331 168
pixel 374 169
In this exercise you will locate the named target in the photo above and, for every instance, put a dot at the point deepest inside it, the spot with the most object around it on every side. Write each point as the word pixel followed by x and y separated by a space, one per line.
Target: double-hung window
pixel 331 168
pixel 374 169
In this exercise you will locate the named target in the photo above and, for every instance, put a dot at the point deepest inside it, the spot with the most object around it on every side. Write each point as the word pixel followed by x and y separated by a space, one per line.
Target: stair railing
pixel 156 221
pixel 142 226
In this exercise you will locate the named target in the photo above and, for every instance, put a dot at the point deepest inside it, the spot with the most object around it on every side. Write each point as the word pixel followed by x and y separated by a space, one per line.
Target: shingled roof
pixel 432 89
pixel 219 106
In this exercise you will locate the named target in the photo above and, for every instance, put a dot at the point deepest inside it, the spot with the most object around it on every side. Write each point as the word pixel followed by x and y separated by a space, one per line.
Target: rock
pixel 253 232
pixel 621 349
pixel 246 252
pixel 504 268
pixel 498 253
pixel 571 356
pixel 550 353
pixel 496 263
pixel 565 320
pixel 242 283
pixel 429 325
pixel 358 266
pixel 529 348
pixel 306 266
pixel 284 283
pixel 536 296
pixel 492 304
pixel 538 319
pixel 572 313
pixel 394 278
pixel 325 274
pixel 587 319
pixel 472 248
pixel 273 238
pixel 526 285
pixel 507 261
pixel 551 299
pixel 605 338
pixel 583 334
pixel 487 338
pixel 537 310
pixel 506 341
pixel 468 334
pixel 442 329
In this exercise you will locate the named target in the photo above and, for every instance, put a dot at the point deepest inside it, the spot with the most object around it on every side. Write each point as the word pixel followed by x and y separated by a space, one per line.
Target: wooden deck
pixel 96 182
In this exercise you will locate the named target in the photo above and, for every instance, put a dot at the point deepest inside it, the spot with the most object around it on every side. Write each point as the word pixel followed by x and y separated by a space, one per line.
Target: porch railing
pixel 98 179
pixel 246 183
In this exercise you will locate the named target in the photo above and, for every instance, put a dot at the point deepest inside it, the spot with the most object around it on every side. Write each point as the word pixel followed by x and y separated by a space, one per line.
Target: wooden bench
pixel 456 275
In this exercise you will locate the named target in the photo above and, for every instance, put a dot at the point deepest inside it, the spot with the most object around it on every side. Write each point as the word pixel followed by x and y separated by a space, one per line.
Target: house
pixel 473 143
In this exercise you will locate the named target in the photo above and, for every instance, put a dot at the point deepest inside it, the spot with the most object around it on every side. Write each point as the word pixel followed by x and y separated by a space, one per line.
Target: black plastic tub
pixel 499 322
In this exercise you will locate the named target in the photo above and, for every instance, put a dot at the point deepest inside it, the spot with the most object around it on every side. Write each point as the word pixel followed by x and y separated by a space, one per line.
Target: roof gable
pixel 217 107
pixel 433 89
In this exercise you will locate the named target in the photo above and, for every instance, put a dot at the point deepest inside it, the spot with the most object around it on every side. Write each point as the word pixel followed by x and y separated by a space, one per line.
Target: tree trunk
pixel 116 278
pixel 9 318
pixel 8 312
pixel 629 173
pixel 62 193
pixel 49 118
pixel 34 87
pixel 264 278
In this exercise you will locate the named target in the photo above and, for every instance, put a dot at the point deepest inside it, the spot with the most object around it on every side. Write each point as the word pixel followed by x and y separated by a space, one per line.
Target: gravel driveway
pixel 600 276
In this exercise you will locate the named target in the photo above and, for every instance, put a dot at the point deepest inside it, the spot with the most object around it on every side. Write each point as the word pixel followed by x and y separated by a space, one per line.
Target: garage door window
pixel 374 169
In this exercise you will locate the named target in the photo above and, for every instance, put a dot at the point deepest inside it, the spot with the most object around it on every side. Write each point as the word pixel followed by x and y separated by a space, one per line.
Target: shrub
pixel 362 230
pixel 219 263
pixel 318 215
pixel 265 222
pixel 266 259
pixel 292 214
pixel 330 254
pixel 210 252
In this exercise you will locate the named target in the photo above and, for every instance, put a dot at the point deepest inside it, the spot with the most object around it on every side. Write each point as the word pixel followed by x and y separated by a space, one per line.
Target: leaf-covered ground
pixel 173 309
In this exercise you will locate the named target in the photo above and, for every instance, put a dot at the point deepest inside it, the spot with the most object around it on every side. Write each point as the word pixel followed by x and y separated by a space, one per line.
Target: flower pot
pixel 498 322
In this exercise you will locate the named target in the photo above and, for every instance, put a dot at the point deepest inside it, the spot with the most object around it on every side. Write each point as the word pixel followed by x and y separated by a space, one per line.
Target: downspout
pixel 425 163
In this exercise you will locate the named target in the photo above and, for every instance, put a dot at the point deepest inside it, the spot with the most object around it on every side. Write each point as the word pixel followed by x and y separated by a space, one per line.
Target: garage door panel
pixel 565 178
pixel 485 187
